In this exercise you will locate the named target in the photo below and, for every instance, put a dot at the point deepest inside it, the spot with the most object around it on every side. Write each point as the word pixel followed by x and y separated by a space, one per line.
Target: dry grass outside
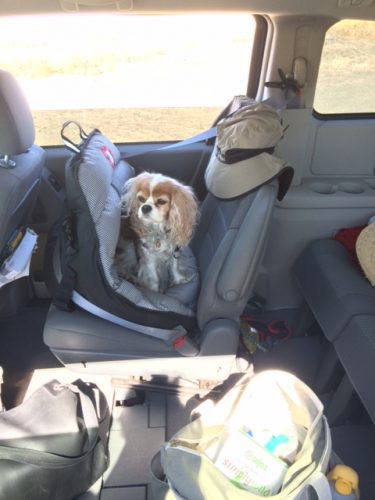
pixel 127 125
pixel 347 70
pixel 354 29
pixel 345 85
pixel 144 78
pixel 154 72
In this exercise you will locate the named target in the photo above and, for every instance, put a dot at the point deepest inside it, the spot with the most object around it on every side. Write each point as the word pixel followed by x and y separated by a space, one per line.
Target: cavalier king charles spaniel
pixel 159 216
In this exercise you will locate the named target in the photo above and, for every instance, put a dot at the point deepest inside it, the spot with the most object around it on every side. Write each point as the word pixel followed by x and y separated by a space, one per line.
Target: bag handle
pixel 89 412
pixel 319 484
pixel 68 143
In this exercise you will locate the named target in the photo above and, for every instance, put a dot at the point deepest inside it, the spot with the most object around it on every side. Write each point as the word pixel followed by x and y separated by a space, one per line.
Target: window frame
pixel 342 116
pixel 257 55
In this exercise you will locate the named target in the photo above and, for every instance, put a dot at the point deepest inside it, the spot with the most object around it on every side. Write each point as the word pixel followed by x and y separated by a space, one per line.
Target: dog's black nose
pixel 146 209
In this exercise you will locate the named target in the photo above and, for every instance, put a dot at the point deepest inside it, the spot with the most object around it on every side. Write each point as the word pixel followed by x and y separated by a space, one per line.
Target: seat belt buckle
pixel 185 346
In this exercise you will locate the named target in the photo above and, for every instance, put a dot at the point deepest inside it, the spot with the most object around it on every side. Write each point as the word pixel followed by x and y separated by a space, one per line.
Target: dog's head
pixel 157 199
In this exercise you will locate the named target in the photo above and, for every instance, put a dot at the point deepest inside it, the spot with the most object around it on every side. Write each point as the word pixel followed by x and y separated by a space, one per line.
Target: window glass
pixel 136 78
pixel 346 82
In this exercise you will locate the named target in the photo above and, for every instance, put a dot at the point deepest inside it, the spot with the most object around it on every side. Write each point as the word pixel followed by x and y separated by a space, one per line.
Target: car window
pixel 136 78
pixel 347 70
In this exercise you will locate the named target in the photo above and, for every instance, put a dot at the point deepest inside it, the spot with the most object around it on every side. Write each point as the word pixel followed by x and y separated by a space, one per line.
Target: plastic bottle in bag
pixel 343 481
pixel 282 443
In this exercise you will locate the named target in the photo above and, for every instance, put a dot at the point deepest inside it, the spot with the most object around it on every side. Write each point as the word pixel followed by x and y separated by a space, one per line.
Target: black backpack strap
pixel 63 249
pixel 63 297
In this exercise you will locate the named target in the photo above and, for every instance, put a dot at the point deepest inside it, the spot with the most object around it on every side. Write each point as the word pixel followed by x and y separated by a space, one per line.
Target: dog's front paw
pixel 181 273
pixel 182 277
pixel 148 279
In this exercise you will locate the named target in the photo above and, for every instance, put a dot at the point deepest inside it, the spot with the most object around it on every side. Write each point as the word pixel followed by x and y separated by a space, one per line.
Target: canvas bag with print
pixel 190 460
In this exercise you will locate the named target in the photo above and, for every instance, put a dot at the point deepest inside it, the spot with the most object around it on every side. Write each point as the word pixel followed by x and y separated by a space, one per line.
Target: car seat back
pixel 21 161
pixel 228 246
pixel 21 165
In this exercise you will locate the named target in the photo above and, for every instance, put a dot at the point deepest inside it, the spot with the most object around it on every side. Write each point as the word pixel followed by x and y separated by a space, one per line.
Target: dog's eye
pixel 141 199
pixel 160 201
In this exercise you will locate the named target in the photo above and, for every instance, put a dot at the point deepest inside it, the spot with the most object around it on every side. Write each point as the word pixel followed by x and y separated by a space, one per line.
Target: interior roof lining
pixel 325 8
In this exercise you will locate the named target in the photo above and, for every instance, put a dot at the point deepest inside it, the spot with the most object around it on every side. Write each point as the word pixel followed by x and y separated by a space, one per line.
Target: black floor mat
pixel 300 356
pixel 23 351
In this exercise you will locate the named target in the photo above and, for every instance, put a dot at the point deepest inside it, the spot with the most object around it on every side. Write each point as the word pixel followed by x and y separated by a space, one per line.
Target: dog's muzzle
pixel 146 209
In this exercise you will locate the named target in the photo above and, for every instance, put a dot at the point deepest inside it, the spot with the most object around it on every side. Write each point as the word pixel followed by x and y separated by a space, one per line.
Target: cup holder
pixel 351 187
pixel 347 187
pixel 323 188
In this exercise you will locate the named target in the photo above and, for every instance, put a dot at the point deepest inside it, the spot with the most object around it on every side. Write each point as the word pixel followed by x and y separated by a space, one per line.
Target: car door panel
pixel 333 188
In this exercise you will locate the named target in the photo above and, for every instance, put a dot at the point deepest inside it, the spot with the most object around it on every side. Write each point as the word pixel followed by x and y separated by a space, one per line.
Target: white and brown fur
pixel 159 218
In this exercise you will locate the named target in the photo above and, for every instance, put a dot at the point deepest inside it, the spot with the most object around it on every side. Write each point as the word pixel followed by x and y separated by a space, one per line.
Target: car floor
pixel 136 432
pixel 142 419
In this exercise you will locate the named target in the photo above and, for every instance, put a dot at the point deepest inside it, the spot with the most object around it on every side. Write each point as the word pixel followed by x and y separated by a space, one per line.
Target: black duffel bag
pixel 53 445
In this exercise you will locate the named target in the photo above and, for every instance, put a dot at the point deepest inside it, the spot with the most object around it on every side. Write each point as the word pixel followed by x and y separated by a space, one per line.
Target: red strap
pixel 179 342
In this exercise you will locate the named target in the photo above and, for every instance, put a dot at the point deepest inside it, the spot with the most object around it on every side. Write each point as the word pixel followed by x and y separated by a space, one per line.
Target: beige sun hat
pixel 365 249
pixel 243 158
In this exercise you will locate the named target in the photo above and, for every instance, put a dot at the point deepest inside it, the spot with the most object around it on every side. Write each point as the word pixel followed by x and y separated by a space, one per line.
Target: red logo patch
pixel 108 155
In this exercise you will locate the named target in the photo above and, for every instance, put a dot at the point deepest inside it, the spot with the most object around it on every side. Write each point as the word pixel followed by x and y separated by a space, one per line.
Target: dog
pixel 159 217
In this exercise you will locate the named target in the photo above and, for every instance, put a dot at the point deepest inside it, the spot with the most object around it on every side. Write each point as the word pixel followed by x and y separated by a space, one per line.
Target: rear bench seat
pixel 343 303
pixel 334 287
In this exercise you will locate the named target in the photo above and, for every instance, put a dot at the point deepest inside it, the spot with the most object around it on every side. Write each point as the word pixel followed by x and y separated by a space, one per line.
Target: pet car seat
pixel 21 164
pixel 119 329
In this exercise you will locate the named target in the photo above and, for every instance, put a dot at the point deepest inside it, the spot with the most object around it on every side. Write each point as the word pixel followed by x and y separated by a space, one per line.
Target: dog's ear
pixel 183 215
pixel 129 196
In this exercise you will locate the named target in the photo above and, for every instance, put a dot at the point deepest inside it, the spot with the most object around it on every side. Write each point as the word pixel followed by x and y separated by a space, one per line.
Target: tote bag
pixel 52 446
pixel 190 471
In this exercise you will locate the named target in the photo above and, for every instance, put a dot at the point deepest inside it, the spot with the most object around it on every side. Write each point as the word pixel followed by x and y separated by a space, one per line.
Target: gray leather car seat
pixel 227 247
pixel 21 161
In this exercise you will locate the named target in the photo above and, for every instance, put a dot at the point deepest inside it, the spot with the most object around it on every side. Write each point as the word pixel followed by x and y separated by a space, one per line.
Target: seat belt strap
pixel 176 338
pixel 63 297
pixel 160 333
pixel 201 137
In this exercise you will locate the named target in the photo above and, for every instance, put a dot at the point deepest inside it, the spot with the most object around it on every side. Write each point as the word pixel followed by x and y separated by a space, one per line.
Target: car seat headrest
pixel 16 121
pixel 243 158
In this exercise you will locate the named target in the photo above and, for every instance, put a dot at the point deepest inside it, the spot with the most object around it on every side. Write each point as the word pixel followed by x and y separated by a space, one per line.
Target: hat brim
pixel 230 181
pixel 365 249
